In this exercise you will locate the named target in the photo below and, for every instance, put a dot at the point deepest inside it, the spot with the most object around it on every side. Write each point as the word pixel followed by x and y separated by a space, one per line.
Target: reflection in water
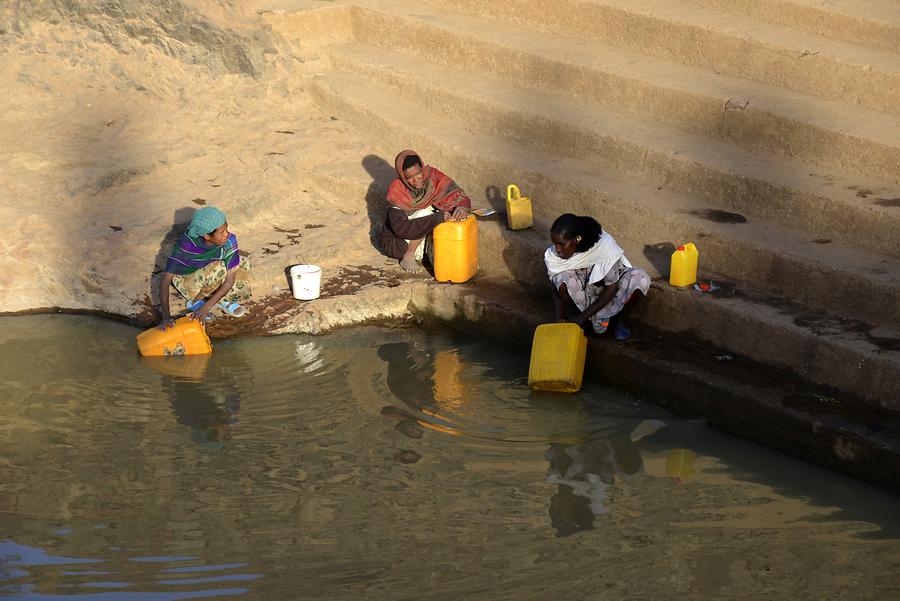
pixel 392 464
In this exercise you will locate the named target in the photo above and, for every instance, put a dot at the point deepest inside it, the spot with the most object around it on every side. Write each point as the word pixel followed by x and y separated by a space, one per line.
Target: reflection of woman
pixel 584 473
pixel 420 199
pixel 592 279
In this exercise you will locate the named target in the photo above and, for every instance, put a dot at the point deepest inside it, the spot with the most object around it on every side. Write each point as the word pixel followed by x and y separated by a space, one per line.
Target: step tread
pixel 747 28
pixel 646 196
pixel 883 13
pixel 720 155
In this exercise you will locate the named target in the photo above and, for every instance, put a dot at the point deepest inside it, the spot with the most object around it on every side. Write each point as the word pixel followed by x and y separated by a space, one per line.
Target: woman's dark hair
pixel 411 161
pixel 569 227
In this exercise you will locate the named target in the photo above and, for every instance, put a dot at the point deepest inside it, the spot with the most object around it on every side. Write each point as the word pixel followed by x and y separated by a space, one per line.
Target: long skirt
pixel 584 294
pixel 207 280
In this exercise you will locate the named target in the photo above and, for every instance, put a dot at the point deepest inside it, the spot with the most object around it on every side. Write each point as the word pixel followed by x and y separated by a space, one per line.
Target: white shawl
pixel 602 256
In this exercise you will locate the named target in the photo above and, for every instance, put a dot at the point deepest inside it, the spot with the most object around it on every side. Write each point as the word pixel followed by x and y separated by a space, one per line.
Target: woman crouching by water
pixel 206 269
pixel 592 279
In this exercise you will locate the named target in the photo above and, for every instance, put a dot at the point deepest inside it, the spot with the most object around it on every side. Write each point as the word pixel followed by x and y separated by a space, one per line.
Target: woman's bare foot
pixel 410 264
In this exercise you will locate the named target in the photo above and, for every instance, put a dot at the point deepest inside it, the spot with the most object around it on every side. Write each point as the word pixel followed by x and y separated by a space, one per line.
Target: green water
pixel 394 464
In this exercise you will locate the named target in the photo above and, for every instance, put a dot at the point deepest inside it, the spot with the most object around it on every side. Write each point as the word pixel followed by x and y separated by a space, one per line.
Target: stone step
pixel 874 23
pixel 758 116
pixel 717 172
pixel 722 42
pixel 777 260
pixel 832 351
pixel 842 354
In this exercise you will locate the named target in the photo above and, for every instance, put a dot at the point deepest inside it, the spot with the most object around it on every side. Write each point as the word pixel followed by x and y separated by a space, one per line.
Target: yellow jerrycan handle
pixel 512 192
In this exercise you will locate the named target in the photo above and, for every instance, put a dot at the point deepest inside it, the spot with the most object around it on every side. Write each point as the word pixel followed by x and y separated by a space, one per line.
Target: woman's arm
pixel 561 300
pixel 215 297
pixel 607 295
pixel 412 229
pixel 166 320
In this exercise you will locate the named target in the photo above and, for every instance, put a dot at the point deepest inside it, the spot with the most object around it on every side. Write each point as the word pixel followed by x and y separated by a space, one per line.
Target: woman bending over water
pixel 592 279
pixel 421 198
pixel 206 269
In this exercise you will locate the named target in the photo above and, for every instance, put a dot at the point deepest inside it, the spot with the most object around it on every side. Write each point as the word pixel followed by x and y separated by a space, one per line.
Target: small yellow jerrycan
pixel 558 351
pixel 683 271
pixel 518 209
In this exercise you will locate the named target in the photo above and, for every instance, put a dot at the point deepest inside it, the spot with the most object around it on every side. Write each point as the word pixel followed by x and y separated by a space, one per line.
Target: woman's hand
pixel 166 322
pixel 201 313
pixel 447 216
pixel 460 213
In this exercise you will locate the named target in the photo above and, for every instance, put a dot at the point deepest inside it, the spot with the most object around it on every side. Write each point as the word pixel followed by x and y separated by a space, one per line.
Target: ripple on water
pixel 391 463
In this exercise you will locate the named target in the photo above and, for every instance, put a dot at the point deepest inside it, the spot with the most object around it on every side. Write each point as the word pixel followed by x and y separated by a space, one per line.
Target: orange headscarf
pixel 438 190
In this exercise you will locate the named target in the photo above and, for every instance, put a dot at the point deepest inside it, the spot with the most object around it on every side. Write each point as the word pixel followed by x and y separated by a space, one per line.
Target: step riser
pixel 817 74
pixel 816 20
pixel 777 273
pixel 817 215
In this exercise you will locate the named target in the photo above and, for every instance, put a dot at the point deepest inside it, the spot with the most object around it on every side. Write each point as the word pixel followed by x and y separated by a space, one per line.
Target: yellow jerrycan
pixel 683 270
pixel 558 351
pixel 518 209
pixel 456 250
pixel 188 367
pixel 188 337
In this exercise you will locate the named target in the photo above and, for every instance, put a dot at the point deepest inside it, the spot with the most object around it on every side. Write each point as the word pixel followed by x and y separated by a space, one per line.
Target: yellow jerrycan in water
pixel 683 271
pixel 518 209
pixel 558 351
pixel 188 337
pixel 456 250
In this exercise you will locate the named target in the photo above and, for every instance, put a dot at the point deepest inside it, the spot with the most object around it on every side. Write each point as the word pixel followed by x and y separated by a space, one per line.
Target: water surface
pixel 394 464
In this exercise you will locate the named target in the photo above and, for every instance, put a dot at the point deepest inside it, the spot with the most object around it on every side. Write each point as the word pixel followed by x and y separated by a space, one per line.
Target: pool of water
pixel 380 463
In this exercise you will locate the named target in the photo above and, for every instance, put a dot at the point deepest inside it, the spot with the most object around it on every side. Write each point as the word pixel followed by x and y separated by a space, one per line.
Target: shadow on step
pixel 382 173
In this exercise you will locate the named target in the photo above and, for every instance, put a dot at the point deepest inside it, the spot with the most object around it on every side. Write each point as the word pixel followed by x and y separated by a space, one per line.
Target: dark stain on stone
pixel 115 228
pixel 888 202
pixel 825 325
pixel 821 241
pixel 283 131
pixel 312 226
pixel 719 216
pixel 874 418
pixel 268 154
pixel 350 280
pixel 282 230
pixel 407 456
pixel 864 192
pixel 333 118
pixel 199 201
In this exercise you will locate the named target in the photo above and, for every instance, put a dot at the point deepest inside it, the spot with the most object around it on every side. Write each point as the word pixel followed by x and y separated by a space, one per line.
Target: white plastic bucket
pixel 305 281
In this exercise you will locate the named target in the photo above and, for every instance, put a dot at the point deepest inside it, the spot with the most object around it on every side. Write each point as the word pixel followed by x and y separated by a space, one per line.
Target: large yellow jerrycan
pixel 188 337
pixel 558 351
pixel 456 250
pixel 683 270
pixel 518 209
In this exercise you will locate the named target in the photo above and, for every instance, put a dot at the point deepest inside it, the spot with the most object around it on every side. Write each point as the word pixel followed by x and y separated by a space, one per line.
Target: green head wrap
pixel 205 221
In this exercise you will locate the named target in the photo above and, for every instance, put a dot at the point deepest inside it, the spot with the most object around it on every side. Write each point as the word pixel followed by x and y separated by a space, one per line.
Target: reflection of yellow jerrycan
pixel 518 209
pixel 188 367
pixel 188 337
pixel 557 357
pixel 456 250
pixel 449 387
pixel 680 464
pixel 684 265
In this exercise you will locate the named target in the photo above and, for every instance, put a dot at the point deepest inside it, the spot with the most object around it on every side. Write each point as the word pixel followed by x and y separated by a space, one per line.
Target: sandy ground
pixel 107 148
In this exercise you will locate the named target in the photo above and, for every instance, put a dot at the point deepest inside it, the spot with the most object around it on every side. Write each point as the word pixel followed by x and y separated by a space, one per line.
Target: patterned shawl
pixel 439 190
pixel 190 254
